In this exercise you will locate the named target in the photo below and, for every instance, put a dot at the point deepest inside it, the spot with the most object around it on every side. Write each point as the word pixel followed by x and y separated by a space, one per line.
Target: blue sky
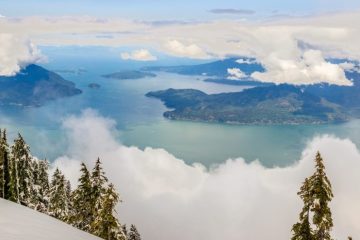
pixel 166 9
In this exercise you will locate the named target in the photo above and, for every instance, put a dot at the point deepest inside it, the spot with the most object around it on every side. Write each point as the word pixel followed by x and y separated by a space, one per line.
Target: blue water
pixel 139 119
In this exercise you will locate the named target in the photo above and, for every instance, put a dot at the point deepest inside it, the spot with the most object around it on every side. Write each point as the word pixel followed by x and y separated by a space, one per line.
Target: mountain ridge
pixel 34 86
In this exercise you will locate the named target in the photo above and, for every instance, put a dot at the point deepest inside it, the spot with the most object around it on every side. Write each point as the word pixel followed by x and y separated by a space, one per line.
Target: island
pixel 124 75
pixel 217 69
pixel 34 86
pixel 274 105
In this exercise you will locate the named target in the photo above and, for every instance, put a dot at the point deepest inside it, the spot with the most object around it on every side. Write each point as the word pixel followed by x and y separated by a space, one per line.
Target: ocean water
pixel 140 122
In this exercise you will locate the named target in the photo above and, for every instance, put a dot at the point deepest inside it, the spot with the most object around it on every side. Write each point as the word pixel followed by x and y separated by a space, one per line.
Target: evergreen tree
pixel 302 230
pixel 42 187
pixel 1 172
pixel 6 164
pixel 125 231
pixel 321 192
pixel 316 193
pixel 14 180
pixel 21 154
pixel 134 234
pixel 98 181
pixel 106 225
pixel 58 202
pixel 82 215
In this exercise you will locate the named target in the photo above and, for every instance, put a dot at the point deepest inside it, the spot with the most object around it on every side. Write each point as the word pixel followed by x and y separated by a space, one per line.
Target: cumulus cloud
pixel 287 41
pixel 139 55
pixel 168 199
pixel 16 53
pixel 180 49
pixel 235 74
pixel 232 11
pixel 350 66
pixel 309 68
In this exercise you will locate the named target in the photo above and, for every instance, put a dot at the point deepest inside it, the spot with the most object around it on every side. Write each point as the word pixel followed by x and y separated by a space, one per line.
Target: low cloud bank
pixel 16 53
pixel 169 199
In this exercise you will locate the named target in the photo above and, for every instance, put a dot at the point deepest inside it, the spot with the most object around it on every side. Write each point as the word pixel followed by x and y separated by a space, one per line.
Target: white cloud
pixel 235 74
pixel 168 199
pixel 139 55
pixel 309 68
pixel 285 42
pixel 16 53
pixel 349 66
pixel 180 49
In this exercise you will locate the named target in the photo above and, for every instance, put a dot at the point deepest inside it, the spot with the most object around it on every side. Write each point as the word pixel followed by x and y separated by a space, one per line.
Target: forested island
pixel 124 75
pixel 34 86
pixel 276 104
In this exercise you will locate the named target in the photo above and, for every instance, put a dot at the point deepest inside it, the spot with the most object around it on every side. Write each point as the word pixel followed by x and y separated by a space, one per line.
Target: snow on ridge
pixel 21 223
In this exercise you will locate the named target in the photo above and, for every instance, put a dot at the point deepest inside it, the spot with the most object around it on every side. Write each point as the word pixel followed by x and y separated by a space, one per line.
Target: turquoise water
pixel 140 122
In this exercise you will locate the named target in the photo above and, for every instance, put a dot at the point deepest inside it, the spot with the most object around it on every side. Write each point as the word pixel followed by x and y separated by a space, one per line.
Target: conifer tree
pixel 125 231
pixel 5 159
pixel 134 234
pixel 1 172
pixel 14 180
pixel 82 199
pixel 98 181
pixel 302 230
pixel 41 180
pixel 98 184
pixel 21 154
pixel 106 225
pixel 320 188
pixel 58 202
pixel 316 193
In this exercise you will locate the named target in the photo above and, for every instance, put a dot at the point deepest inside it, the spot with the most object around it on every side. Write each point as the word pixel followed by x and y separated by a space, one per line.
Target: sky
pixel 168 10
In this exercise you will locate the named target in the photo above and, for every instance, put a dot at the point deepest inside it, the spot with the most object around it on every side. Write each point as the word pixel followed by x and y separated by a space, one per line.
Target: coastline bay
pixel 140 122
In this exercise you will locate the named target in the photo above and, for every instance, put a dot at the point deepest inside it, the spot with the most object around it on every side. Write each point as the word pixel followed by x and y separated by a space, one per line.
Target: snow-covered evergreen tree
pixel 98 181
pixel 9 190
pixel 82 199
pixel 20 152
pixel 58 201
pixel 134 234
pixel 106 225
pixel 14 180
pixel 41 185
pixel 125 231
pixel 6 166
pixel 1 173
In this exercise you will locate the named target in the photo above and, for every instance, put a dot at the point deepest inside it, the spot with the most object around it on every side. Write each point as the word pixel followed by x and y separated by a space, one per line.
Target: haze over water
pixel 140 122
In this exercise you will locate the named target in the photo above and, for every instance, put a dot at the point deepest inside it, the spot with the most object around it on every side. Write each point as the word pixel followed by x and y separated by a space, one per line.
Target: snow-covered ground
pixel 21 223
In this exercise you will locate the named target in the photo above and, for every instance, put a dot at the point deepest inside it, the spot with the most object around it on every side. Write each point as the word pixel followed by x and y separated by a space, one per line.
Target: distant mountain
pixel 216 69
pixel 123 75
pixel 34 86
pixel 282 104
pixel 21 223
